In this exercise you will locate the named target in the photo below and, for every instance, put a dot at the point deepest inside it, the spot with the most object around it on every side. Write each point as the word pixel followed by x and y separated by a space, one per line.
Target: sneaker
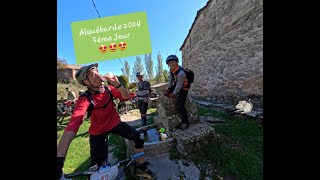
pixel 94 167
pixel 144 171
pixel 145 133
pixel 183 126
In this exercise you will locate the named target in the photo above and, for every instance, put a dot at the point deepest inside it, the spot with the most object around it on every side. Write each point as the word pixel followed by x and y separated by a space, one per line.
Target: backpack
pixel 189 74
pixel 91 107
pixel 141 88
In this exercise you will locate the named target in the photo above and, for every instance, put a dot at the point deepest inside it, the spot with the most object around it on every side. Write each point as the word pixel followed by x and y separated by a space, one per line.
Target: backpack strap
pixel 176 73
pixel 140 89
pixel 92 104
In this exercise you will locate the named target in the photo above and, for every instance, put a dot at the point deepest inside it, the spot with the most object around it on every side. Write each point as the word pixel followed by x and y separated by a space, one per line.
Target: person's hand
pixel 169 95
pixel 60 163
pixel 114 80
pixel 167 92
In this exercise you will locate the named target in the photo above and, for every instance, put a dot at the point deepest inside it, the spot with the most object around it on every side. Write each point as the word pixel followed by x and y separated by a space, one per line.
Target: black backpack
pixel 189 74
pixel 92 104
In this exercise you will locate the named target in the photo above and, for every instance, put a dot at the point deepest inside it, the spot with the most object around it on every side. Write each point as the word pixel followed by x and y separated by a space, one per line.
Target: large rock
pixel 194 138
pixel 168 115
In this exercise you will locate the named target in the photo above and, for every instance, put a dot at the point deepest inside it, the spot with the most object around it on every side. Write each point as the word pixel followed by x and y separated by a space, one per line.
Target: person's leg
pixel 126 131
pixel 139 107
pixel 144 108
pixel 97 148
pixel 181 108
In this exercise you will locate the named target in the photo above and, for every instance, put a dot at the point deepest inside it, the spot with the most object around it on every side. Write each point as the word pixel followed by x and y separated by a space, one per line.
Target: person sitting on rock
pixel 178 87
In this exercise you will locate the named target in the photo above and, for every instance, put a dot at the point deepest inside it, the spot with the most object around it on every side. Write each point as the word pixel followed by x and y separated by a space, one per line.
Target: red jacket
pixel 102 119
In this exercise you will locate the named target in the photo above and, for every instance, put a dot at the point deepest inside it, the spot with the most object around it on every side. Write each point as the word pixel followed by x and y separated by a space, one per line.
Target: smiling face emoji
pixel 113 47
pixel 122 46
pixel 103 49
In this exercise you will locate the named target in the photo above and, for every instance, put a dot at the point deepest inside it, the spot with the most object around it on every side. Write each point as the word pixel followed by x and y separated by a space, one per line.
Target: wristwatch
pixel 117 87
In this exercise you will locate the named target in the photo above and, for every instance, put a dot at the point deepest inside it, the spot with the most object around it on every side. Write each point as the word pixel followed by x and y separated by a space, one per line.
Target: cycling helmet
pixel 81 74
pixel 172 58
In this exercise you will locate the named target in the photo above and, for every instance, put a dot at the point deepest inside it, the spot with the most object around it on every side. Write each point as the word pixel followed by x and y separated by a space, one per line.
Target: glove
pixel 167 92
pixel 170 95
pixel 60 163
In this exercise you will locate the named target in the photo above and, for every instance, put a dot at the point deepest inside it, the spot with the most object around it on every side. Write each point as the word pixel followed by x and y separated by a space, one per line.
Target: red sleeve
pixel 79 111
pixel 116 93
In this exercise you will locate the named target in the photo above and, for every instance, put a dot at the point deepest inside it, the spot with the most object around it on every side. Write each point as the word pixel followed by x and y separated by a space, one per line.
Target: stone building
pixel 67 73
pixel 224 48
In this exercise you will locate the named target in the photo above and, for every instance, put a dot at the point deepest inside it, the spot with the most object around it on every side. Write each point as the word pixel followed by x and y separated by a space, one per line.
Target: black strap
pixel 141 88
pixel 92 104
pixel 175 74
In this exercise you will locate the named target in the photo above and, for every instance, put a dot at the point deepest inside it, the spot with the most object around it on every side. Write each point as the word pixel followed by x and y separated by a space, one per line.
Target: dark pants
pixel 98 143
pixel 180 105
pixel 143 107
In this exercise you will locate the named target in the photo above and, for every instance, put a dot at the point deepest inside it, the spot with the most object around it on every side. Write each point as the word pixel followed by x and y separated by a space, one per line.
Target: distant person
pixel 71 95
pixel 143 95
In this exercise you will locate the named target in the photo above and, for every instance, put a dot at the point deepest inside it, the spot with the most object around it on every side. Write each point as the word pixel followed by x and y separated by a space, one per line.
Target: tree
pixel 61 63
pixel 166 75
pixel 159 69
pixel 126 70
pixel 149 66
pixel 138 67
pixel 123 80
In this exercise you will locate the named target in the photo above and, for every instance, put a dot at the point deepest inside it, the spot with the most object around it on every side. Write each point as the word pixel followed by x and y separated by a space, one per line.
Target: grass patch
pixel 153 112
pixel 238 152
pixel 73 85
pixel 120 146
pixel 174 154
pixel 78 157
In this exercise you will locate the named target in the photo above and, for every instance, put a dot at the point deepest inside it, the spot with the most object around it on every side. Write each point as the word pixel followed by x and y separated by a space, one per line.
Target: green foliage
pixel 149 66
pixel 138 67
pixel 61 63
pixel 126 70
pixel 159 69
pixel 73 85
pixel 123 80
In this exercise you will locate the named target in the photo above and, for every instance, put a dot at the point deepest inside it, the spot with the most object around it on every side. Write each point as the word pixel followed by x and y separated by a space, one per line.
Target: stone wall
pixel 224 47
pixel 65 74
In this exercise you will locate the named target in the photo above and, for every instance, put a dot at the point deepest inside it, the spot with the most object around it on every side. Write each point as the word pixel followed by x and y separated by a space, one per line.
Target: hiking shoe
pixel 145 133
pixel 144 171
pixel 183 126
pixel 94 167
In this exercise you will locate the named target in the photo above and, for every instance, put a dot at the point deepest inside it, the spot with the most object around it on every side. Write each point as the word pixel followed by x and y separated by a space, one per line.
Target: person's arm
pixel 123 91
pixel 73 126
pixel 148 86
pixel 170 81
pixel 180 80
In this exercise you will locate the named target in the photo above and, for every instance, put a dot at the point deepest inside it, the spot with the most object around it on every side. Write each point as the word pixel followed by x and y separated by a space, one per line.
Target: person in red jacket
pixel 104 120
